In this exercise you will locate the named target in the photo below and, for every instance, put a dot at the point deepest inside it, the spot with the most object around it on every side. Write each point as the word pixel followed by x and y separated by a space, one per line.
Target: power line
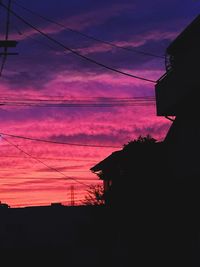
pixel 49 167
pixel 35 40
pixel 80 103
pixel 72 105
pixel 77 103
pixel 56 142
pixel 92 102
pixel 75 52
pixel 86 35
pixel 61 159
pixel 87 102
pixel 72 102
pixel 56 97
pixel 85 99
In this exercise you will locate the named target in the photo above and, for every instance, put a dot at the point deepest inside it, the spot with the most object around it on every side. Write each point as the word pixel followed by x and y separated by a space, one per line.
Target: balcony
pixel 174 89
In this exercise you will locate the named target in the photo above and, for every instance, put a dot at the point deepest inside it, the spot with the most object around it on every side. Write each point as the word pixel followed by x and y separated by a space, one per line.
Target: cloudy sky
pixel 44 70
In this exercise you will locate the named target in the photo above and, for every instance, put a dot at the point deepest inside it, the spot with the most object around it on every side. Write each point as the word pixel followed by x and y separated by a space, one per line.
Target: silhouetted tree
pixel 95 196
pixel 148 139
pixel 4 205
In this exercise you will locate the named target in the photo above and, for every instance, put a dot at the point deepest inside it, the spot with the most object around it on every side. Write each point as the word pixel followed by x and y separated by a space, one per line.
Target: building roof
pixel 131 159
pixel 188 38
pixel 107 162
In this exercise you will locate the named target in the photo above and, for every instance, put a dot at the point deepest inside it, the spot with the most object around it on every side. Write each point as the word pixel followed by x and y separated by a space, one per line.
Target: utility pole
pixel 6 44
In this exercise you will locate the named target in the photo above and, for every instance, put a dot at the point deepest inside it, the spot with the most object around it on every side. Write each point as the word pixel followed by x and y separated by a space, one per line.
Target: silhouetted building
pixel 131 173
pixel 154 188
pixel 177 91
pixel 109 170
pixel 139 197
pixel 177 94
pixel 57 205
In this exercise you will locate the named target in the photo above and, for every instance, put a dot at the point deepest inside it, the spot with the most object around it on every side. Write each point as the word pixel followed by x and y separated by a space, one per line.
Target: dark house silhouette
pixel 177 91
pixel 177 94
pixel 138 195
pixel 131 173
pixel 153 189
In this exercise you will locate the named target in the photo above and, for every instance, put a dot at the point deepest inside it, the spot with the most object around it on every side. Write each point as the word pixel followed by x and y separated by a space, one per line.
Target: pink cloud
pixel 78 22
pixel 114 126
pixel 137 41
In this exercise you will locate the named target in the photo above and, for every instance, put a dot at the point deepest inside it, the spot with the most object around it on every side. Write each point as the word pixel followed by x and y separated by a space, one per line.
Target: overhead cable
pixel 87 35
pixel 98 102
pixel 38 160
pixel 74 51
pixel 56 142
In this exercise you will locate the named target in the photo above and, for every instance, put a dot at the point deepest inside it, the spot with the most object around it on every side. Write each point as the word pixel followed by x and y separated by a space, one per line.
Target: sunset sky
pixel 44 70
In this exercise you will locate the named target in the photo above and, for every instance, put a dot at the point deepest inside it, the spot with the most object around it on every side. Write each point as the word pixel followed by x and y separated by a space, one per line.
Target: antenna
pixel 72 196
